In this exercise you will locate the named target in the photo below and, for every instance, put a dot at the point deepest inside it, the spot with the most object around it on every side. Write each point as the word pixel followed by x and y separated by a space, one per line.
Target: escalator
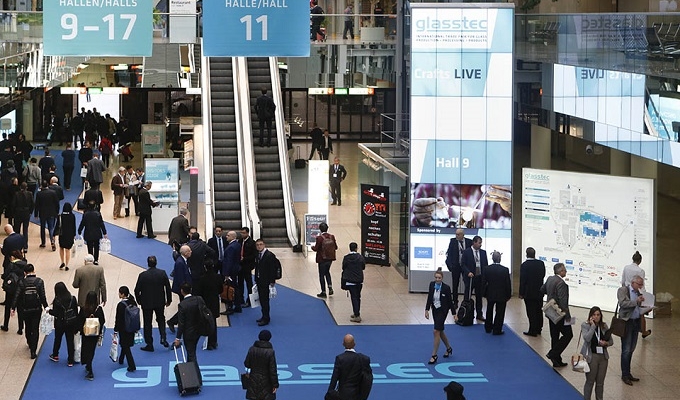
pixel 225 163
pixel 270 199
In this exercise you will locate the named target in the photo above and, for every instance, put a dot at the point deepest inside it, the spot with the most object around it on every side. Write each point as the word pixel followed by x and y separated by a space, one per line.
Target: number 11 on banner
pixel 247 20
pixel 245 28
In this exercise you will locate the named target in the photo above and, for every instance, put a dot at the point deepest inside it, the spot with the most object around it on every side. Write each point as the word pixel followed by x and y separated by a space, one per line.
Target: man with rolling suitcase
pixel 189 315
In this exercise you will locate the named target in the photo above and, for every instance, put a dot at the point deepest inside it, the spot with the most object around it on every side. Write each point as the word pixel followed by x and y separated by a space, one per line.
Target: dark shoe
pixel 4 328
pixel 322 295
pixel 558 363
pixel 225 313
pixel 482 319
pixel 152 237
pixel 263 322
pixel 634 379
pixel 2 304
pixel 229 312
pixel 171 327
pixel 65 268
pixel 146 348
pixel 330 291
pixel 165 343
pixel 245 305
pixel 131 369
pixel 498 333
pixel 339 204
pixel 20 332
pixel 121 359
pixel 54 358
pixel 62 266
pixel 530 334
pixel 33 355
pixel 139 236
pixel 259 320
pixel 89 376
pixel 42 246
pixel 649 332
pixel 433 359
pixel 96 262
pixel 333 203
pixel 54 248
pixel 487 330
pixel 449 351
pixel 210 347
pixel 627 381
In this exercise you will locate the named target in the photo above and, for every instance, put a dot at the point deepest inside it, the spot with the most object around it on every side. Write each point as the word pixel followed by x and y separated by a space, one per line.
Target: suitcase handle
pixel 184 357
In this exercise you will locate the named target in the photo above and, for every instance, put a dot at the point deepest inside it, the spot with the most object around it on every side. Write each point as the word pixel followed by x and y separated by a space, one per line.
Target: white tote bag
pixel 105 245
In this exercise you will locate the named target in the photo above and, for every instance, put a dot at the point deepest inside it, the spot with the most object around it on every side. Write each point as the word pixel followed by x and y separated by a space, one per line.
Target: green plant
pixel 158 18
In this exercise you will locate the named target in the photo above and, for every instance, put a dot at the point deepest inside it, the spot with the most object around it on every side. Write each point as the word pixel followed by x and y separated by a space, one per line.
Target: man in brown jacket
pixel 88 278
pixel 325 247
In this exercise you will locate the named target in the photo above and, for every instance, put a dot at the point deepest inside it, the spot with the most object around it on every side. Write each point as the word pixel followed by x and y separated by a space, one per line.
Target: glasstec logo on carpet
pixel 305 374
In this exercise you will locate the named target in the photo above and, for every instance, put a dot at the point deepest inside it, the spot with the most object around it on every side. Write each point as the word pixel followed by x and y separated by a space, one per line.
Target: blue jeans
pixel 628 343
pixel 49 223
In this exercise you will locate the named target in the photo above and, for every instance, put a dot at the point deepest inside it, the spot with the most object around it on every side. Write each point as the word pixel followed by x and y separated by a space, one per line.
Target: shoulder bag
pixel 578 361
pixel 618 325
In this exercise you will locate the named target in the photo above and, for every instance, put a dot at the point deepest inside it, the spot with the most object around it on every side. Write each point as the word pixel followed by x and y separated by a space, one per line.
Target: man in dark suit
pixel 560 334
pixel 245 274
pixel 47 208
pixel 13 242
pixel 153 294
pixel 497 290
pixel 54 185
pixel 178 232
pixel 230 268
pixel 189 317
pixel 94 197
pixel 349 370
pixel 531 275
pixel 336 174
pixel 218 244
pixel 145 203
pixel 264 108
pixel 325 145
pixel 317 139
pixel 454 255
pixel 181 274
pixel 266 265
pixel 473 264
pixel 199 252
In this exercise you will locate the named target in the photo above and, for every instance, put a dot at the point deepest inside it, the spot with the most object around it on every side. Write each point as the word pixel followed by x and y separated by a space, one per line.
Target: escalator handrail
pixel 250 216
pixel 206 111
pixel 286 181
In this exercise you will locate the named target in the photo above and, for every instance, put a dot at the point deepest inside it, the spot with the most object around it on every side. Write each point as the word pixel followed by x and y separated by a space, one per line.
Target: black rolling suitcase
pixel 300 163
pixel 187 375
pixel 466 311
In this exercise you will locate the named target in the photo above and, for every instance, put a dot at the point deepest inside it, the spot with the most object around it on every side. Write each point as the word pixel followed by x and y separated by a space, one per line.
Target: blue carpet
pixel 306 341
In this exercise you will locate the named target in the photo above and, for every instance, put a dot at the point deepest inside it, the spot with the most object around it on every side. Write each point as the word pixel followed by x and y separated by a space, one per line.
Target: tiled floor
pixel 385 301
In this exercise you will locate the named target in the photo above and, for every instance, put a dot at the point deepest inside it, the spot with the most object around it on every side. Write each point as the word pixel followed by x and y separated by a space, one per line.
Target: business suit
pixel 47 208
pixel 264 108
pixel 189 315
pixel 348 373
pixel 13 242
pixel 89 278
pixel 560 335
pixel 211 287
pixel 95 169
pixel 181 273
pixel 336 174
pixel 265 275
pixel 629 311
pixel 468 264
pixel 325 146
pixel 498 290
pixel 199 253
pixel 145 203
pixel 445 303
pixel 94 196
pixel 178 230
pixel 215 243
pixel 531 275
pixel 230 267
pixel 23 207
pixel 153 293
pixel 94 227
pixel 454 256
pixel 245 274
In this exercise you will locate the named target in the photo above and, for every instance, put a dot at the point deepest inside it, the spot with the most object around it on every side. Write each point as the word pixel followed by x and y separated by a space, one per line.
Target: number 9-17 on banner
pixel 98 28
pixel 247 28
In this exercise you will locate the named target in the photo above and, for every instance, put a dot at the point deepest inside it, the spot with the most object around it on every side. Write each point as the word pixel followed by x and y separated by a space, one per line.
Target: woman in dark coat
pixel 261 360
pixel 125 339
pixel 67 234
pixel 93 225
pixel 65 312
pixel 211 287
pixel 91 310
pixel 439 299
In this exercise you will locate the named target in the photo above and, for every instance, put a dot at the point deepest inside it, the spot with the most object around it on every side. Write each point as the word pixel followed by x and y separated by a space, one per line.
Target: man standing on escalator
pixel 264 108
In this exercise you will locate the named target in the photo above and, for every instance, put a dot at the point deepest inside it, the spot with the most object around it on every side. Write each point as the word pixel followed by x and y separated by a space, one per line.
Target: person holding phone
pixel 596 339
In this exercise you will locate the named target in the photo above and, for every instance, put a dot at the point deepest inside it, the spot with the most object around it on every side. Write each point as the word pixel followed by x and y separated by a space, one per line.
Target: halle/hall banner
pixel 375 224
pixel 256 28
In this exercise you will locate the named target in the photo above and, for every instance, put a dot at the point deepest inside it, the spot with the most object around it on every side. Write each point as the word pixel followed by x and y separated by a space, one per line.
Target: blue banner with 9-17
pixel 264 28
pixel 98 28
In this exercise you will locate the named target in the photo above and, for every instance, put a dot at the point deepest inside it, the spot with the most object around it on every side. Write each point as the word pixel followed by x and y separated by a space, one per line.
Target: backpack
pixel 11 282
pixel 269 110
pixel 318 17
pixel 279 271
pixel 328 247
pixel 206 322
pixel 132 323
pixel 31 297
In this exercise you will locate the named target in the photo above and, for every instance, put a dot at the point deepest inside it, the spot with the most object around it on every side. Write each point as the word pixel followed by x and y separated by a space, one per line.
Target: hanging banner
pixel 375 224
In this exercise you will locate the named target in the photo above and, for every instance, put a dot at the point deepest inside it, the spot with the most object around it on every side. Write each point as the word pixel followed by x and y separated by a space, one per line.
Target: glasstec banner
pixel 461 130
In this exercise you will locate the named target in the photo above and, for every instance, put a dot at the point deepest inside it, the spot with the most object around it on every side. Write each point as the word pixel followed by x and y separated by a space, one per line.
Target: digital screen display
pixel 461 129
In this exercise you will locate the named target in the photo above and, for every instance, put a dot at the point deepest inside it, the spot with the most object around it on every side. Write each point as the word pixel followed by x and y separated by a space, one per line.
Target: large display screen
pixel 591 223
pixel 461 129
